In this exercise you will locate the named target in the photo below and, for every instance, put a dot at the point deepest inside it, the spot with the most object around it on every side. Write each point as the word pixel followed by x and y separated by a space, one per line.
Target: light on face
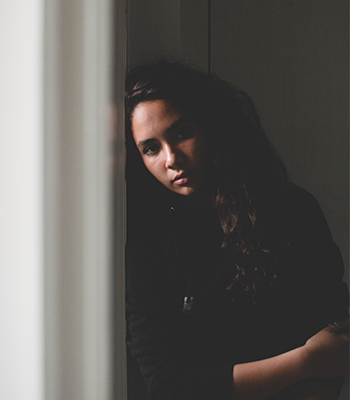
pixel 171 145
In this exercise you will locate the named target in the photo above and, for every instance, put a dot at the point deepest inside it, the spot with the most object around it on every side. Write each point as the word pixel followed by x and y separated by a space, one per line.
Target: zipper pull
pixel 188 305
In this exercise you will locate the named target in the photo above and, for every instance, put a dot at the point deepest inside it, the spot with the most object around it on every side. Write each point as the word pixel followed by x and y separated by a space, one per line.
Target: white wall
pixel 56 127
pixel 79 128
pixel 21 200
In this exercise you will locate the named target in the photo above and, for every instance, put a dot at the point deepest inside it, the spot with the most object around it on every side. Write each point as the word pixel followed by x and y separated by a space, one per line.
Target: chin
pixel 186 191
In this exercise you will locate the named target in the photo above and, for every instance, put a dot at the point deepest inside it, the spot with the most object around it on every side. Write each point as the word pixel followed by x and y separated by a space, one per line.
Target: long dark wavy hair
pixel 248 179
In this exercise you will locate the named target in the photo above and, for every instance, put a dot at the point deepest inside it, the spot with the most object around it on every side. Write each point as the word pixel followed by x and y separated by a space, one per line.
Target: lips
pixel 182 178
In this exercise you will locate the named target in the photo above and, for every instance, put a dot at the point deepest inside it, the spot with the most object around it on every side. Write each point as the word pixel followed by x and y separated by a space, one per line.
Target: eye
pixel 184 133
pixel 150 149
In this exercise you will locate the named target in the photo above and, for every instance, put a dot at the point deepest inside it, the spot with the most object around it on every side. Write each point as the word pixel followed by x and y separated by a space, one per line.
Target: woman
pixel 231 270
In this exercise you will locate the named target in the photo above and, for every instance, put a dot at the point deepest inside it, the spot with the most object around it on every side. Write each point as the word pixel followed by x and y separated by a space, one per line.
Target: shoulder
pixel 300 199
pixel 148 257
pixel 149 278
pixel 306 230
pixel 310 237
pixel 304 214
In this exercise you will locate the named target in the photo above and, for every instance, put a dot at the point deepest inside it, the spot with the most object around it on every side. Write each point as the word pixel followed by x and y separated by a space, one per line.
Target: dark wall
pixel 292 58
pixel 177 28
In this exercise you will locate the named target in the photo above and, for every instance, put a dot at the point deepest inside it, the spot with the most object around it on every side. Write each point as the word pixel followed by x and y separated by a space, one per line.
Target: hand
pixel 328 353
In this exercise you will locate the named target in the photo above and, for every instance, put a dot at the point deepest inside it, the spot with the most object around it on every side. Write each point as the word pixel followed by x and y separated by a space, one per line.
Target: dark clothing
pixel 185 331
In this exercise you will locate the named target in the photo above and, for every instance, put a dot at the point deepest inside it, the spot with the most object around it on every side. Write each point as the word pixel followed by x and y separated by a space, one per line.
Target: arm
pixel 325 299
pixel 261 379
pixel 325 355
pixel 325 296
pixel 173 372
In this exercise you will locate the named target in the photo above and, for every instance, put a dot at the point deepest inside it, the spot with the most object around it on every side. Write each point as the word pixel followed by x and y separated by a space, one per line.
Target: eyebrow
pixel 172 127
pixel 143 143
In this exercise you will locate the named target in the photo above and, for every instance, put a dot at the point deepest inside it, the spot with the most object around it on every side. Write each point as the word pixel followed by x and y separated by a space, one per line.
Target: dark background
pixel 291 57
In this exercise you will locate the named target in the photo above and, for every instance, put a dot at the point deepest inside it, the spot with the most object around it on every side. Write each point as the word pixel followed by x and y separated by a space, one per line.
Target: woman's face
pixel 171 144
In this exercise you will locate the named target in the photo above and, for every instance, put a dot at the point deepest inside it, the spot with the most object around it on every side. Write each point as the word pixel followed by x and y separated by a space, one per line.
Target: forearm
pixel 259 380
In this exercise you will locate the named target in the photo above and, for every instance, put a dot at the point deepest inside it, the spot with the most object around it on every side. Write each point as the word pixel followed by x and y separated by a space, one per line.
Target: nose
pixel 174 158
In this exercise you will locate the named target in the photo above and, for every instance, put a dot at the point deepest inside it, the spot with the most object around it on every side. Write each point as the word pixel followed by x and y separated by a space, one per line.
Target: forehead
pixel 154 114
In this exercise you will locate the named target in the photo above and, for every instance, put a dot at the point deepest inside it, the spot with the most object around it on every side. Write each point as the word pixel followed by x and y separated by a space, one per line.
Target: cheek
pixel 153 166
pixel 193 149
pixel 200 152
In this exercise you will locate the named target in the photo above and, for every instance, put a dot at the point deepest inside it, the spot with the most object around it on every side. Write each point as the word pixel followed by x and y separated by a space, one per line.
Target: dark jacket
pixel 185 331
